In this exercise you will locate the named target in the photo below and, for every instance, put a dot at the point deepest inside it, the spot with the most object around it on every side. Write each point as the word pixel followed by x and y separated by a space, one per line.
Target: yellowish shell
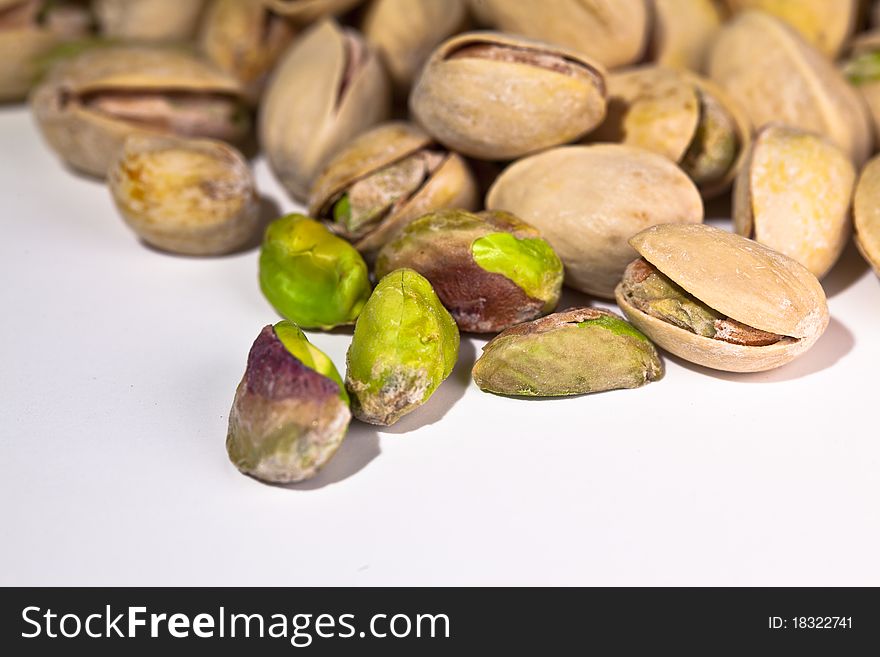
pixel 866 209
pixel 683 32
pixel 148 20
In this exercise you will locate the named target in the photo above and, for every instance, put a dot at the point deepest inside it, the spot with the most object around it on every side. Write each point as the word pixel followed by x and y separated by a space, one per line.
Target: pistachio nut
pixel 680 115
pixel 587 201
pixel 613 32
pixel 91 102
pixel 495 96
pixel 721 300
pixel 825 24
pixel 777 76
pixel 384 179
pixel 328 87
pixel 290 412
pixel 405 345
pixel 574 352
pixel 245 39
pixel 306 11
pixel 404 32
pixel 490 269
pixel 683 32
pixel 310 276
pixel 866 213
pixel 191 196
pixel 29 29
pixel 862 69
pixel 148 20
pixel 793 195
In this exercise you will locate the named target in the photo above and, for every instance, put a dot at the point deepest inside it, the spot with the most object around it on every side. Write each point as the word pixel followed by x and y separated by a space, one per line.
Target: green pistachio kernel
pixel 863 69
pixel 296 342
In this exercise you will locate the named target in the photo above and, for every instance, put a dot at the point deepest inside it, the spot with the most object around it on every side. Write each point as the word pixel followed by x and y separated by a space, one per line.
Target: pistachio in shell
pixel 189 196
pixel 490 270
pixel 793 195
pixel 613 32
pixel 148 20
pixel 90 103
pixel 306 11
pixel 405 345
pixel 290 412
pixel 386 178
pixel 777 76
pixel 496 97
pixel 683 32
pixel 721 300
pixel 574 352
pixel 587 201
pixel 862 69
pixel 866 213
pixel 310 276
pixel 328 87
pixel 404 32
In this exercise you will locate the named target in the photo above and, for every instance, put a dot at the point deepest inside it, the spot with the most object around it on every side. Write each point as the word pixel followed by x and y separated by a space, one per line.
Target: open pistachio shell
pixel 148 20
pixel 360 175
pixel 866 211
pixel 494 96
pixel 306 11
pixel 327 88
pixel 613 32
pixel 683 32
pixel 794 195
pixel 777 76
pixel 587 201
pixel 759 308
pixel 91 102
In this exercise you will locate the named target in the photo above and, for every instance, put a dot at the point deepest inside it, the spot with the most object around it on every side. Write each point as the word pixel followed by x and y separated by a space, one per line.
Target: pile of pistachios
pixel 460 161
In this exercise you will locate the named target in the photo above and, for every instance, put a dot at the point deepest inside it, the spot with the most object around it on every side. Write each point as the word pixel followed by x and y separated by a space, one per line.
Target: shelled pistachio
pixel 148 20
pixel 866 211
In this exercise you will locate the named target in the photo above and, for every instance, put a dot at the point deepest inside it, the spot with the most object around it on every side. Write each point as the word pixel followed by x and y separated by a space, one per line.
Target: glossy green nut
pixel 574 352
pixel 405 344
pixel 311 276
pixel 290 412
pixel 490 269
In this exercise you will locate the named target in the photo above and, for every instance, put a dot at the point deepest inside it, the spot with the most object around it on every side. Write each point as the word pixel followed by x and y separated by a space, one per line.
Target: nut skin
pixel 450 184
pixel 306 11
pixel 490 270
pixel 587 201
pixel 289 415
pixel 497 97
pixel 148 20
pixel 405 345
pixel 794 194
pixel 777 76
pixel 683 32
pixel 574 352
pixel 347 92
pixel 866 213
pixel 736 278
pixel 310 276
pixel 89 104
pixel 189 196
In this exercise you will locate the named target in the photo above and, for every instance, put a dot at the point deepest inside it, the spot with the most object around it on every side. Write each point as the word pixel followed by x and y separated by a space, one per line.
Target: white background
pixel 119 365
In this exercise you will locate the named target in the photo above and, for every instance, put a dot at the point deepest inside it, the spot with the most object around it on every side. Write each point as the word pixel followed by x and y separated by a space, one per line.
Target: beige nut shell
pixel 866 210
pixel 683 32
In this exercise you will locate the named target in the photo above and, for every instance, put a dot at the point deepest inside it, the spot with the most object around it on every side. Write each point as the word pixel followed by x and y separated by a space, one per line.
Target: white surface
pixel 119 366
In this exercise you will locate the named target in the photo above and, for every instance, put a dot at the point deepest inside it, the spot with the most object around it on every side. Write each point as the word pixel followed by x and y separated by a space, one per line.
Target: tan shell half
pixel 868 87
pixel 148 20
pixel 866 210
pixel 793 195
pixel 306 11
pixel 587 201
pixel 740 278
pixel 777 76
pixel 312 108
pixel 88 140
pixel 613 32
pixel 497 109
pixel 683 32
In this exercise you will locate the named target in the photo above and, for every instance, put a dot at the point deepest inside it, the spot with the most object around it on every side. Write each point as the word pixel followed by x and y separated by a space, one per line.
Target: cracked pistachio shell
pixel 683 32
pixel 490 270
pixel 573 352
pixel 495 96
pixel 736 278
pixel 777 76
pixel 148 20
pixel 825 24
pixel 90 103
pixel 866 211
pixel 405 345
pixel 449 184
pixel 191 196
pixel 328 88
pixel 613 32
pixel 681 116
pixel 311 276
pixel 290 412
pixel 587 201
pixel 245 39
pixel 404 32
pixel 306 11
pixel 793 195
